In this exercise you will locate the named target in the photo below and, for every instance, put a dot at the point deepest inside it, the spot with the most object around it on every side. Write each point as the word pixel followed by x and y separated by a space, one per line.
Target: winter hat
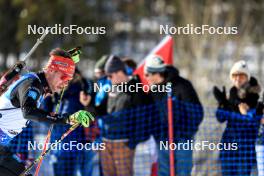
pixel 99 66
pixel 240 67
pixel 113 64
pixel 154 64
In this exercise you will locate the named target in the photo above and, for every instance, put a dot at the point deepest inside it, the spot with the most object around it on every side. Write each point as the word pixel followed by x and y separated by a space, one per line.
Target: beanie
pixel 154 64
pixel 113 64
pixel 240 67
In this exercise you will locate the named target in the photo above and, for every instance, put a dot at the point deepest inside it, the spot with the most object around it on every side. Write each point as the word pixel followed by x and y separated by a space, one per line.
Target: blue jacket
pixel 240 129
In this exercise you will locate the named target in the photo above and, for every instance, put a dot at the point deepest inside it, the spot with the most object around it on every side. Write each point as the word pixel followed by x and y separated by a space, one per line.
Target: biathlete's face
pixel 58 81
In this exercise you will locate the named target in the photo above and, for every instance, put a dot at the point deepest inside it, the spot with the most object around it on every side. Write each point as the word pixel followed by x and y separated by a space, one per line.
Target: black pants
pixel 9 166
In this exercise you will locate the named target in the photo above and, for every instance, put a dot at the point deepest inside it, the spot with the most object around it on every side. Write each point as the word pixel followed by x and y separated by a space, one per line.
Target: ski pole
pixel 40 157
pixel 49 133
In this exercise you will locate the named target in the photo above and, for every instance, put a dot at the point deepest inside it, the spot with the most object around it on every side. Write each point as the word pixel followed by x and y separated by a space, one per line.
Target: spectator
pixel 145 152
pixel 120 126
pixel 91 158
pixel 130 65
pixel 260 149
pixel 241 128
pixel 101 95
pixel 186 120
pixel 102 82
pixel 87 96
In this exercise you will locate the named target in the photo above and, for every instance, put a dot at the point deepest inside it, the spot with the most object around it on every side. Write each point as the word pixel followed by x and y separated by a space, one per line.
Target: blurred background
pixel 132 29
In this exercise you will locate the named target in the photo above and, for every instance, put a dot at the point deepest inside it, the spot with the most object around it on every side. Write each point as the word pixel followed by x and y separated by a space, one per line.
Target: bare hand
pixel 243 108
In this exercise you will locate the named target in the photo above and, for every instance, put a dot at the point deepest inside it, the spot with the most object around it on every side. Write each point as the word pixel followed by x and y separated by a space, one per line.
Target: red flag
pixel 163 49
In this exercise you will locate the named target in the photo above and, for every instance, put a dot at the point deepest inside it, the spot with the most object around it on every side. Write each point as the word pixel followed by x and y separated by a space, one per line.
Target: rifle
pixel 13 74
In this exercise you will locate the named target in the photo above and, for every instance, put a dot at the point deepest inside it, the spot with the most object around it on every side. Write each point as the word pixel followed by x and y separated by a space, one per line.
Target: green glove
pixel 82 117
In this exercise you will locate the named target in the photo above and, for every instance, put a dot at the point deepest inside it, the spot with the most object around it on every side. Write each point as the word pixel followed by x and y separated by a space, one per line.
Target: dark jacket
pixel 26 96
pixel 126 115
pixel 240 129
pixel 187 109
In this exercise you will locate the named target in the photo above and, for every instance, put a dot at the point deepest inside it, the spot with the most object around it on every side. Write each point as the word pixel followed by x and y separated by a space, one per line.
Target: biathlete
pixel 19 105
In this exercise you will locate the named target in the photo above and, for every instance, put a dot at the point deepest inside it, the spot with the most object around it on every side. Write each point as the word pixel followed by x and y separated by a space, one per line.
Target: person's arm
pixel 191 99
pixel 28 94
pixel 223 104
pixel 193 109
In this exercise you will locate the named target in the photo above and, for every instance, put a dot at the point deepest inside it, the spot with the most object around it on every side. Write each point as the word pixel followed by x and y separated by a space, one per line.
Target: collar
pixel 44 82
